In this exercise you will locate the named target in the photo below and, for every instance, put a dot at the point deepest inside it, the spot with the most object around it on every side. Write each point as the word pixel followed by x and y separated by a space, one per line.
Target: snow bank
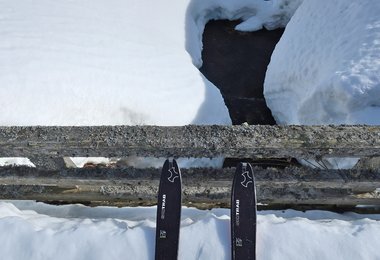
pixel 93 62
pixel 38 231
pixel 326 67
pixel 255 14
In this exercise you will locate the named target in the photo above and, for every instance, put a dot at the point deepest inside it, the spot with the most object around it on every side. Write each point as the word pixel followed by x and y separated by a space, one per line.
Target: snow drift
pixel 326 67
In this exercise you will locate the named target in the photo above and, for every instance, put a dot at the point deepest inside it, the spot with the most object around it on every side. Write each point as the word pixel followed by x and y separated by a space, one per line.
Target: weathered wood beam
pixel 44 162
pixel 192 141
pixel 201 186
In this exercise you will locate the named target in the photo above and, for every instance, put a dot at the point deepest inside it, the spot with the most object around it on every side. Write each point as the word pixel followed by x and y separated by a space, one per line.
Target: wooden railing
pixel 51 180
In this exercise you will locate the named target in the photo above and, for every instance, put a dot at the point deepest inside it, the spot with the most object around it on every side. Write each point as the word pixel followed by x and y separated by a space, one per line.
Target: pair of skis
pixel 243 213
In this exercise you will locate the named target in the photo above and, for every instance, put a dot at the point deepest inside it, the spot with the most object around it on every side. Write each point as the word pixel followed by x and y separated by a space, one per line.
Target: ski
pixel 243 214
pixel 168 212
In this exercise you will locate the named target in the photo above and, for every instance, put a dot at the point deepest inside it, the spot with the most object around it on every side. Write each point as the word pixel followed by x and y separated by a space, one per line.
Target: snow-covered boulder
pixel 326 67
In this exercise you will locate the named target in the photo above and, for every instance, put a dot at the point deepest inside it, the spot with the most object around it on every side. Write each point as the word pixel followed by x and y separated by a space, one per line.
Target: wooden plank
pixel 53 163
pixel 191 141
pixel 202 186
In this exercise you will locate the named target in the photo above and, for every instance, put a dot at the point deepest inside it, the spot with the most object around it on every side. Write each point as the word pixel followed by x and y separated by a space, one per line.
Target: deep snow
pixel 326 67
pixel 92 62
pixel 38 231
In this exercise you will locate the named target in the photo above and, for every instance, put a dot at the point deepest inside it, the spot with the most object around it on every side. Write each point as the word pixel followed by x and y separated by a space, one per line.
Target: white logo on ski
pixel 163 206
pixel 237 215
pixel 247 179
pixel 239 242
pixel 162 234
pixel 173 175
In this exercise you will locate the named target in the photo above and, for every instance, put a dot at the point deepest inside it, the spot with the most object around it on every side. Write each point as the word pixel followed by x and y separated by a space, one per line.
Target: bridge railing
pixel 52 181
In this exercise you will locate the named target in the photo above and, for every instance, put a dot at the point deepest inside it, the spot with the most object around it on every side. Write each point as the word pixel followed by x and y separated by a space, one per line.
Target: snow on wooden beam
pixel 202 187
pixel 191 141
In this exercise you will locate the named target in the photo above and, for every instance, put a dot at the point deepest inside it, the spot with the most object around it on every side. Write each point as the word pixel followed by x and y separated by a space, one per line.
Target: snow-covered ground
pixel 326 67
pixel 37 231
pixel 92 62
pixel 96 62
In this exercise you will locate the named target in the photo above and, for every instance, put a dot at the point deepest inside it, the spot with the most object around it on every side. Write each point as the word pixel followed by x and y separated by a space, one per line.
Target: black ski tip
pixel 247 165
pixel 176 167
pixel 175 163
pixel 166 164
pixel 244 175
pixel 239 166
pixel 170 172
pixel 170 163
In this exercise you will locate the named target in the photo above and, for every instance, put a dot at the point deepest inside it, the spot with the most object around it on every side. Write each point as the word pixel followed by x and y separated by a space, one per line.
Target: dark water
pixel 236 62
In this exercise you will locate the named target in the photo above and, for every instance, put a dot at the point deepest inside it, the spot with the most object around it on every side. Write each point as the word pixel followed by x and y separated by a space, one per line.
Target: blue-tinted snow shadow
pixel 318 215
pixel 212 110
pixel 149 213
pixel 103 212
pixel 150 238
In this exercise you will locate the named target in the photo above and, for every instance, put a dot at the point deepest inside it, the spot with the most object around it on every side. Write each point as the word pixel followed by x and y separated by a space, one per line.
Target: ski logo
pixel 162 234
pixel 239 242
pixel 173 175
pixel 163 206
pixel 247 179
pixel 237 215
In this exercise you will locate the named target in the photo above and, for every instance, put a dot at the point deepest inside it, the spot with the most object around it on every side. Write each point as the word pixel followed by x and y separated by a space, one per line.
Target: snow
pixel 11 161
pixel 37 231
pixel 326 67
pixel 255 14
pixel 90 62
pixel 99 63
pixel 134 62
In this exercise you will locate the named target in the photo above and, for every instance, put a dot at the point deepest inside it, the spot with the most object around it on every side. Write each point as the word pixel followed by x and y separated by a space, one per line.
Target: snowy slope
pixel 326 67
pixel 93 62
pixel 37 231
